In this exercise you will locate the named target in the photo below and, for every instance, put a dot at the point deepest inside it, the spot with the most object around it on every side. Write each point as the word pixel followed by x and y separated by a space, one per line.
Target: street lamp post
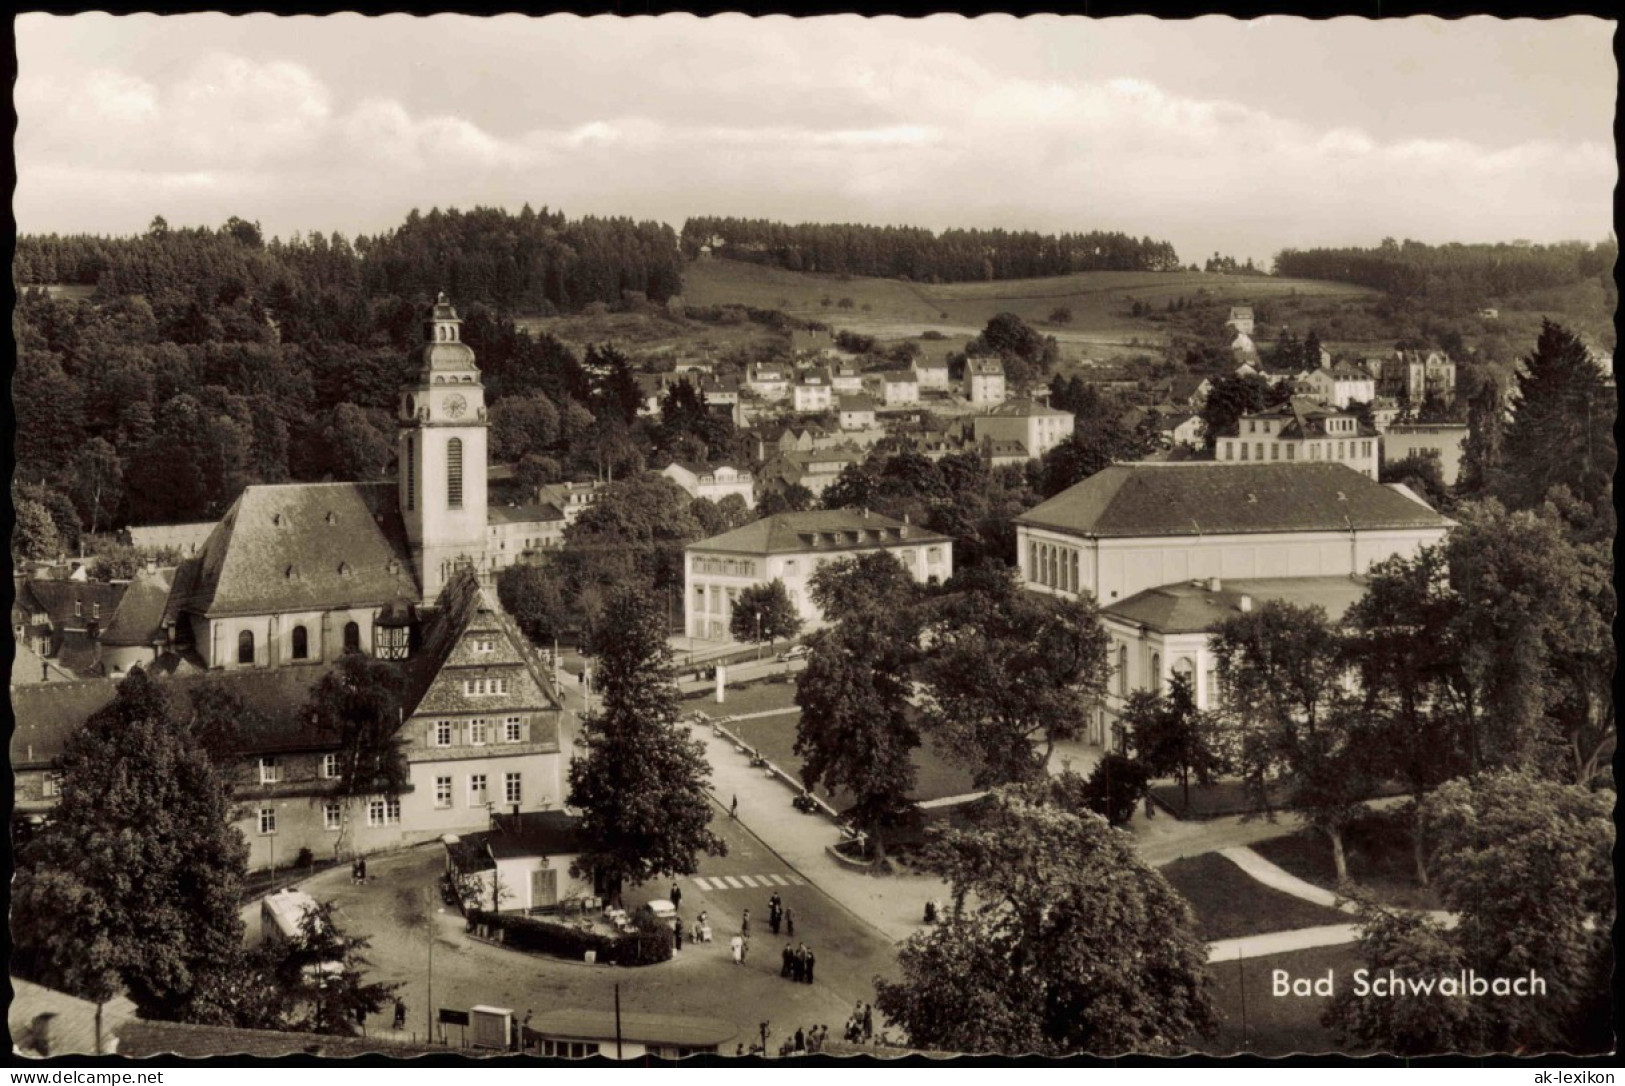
pixel 758 637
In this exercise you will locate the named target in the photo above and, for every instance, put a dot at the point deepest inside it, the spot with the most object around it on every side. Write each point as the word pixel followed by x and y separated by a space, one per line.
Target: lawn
pixel 1099 301
pixel 775 737
pixel 1226 797
pixel 1229 903
pixel 1378 850
pixel 1254 1019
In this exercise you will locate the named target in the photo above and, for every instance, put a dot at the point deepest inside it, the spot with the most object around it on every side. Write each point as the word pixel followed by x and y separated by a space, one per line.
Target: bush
pixel 649 945
pixel 1115 788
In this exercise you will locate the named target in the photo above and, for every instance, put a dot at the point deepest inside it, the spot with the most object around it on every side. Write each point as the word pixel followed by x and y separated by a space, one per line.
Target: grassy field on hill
pixel 1099 301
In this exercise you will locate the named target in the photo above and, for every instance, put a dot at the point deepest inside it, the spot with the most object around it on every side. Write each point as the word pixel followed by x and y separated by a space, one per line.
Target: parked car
pixel 794 652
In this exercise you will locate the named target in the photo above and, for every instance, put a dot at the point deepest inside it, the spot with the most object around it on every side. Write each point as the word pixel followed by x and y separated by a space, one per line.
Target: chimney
pixel 1214 584
pixel 1245 604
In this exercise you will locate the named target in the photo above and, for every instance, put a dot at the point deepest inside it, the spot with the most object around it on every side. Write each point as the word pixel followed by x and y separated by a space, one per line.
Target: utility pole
pixel 617 1020
pixel 428 1000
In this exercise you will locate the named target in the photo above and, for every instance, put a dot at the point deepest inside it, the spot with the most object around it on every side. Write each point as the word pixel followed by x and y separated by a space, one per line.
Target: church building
pixel 299 573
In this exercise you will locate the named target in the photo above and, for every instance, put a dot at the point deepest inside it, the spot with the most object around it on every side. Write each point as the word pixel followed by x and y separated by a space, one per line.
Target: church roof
pixel 1191 607
pixel 301 546
pixel 833 529
pixel 1171 499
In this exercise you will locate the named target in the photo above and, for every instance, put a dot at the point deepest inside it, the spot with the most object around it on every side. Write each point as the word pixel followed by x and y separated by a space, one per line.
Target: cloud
pixel 925 135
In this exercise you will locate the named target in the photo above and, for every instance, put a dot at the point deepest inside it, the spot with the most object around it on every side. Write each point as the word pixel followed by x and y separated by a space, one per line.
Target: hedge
pixel 651 944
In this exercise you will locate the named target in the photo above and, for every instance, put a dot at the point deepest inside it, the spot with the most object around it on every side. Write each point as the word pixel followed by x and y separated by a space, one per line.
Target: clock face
pixel 455 406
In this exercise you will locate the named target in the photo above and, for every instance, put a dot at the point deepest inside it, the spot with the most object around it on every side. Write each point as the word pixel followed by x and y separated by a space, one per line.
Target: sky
pixel 1214 134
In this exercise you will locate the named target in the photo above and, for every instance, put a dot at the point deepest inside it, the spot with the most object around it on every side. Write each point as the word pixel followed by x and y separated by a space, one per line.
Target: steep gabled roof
pixel 1170 499
pixel 139 619
pixel 302 546
pixel 435 671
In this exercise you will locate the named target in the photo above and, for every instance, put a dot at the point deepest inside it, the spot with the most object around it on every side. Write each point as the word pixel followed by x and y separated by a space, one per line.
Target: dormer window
pixel 344 569
pixel 332 517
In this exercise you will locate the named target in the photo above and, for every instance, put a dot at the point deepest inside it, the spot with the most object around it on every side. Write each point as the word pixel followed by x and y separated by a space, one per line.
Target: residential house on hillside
pixel 784 439
pixel 984 381
pixel 1002 454
pixel 1133 527
pixel 856 412
pixel 1244 350
pixel 1187 390
pixel 812 392
pixel 1299 432
pixel 1180 429
pixel 1339 384
pixel 652 387
pixel 713 481
pixel 721 396
pixel 805 341
pixel 62 620
pixel 846 378
pixel 1241 319
pixel 571 499
pixel 932 374
pixel 1447 439
pixel 900 388
pixel 1036 428
pixel 769 380
pixel 814 470
pixel 1413 376
pixel 790 547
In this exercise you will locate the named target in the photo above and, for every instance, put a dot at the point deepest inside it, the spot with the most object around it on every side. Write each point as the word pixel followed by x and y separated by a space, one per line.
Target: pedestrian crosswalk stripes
pixel 746 882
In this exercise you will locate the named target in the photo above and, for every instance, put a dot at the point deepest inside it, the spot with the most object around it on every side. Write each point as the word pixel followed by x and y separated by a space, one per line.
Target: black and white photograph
pixel 858 541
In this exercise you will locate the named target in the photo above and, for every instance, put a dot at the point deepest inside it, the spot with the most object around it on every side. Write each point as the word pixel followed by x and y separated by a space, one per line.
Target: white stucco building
pixel 791 547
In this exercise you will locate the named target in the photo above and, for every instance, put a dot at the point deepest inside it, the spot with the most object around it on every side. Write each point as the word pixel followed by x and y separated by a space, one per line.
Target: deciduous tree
pixel 1008 674
pixel 1170 736
pixel 136 880
pixel 642 786
pixel 1023 962
pixel 764 613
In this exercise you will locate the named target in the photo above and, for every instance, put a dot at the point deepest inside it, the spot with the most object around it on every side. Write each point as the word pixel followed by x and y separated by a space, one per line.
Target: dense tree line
pixel 953 256
pixel 1466 274
pixel 529 262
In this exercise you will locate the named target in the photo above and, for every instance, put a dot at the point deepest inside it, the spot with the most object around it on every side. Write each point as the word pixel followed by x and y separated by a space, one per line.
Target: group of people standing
pixel 860 1027
pixel 798 963
pixel 805 1041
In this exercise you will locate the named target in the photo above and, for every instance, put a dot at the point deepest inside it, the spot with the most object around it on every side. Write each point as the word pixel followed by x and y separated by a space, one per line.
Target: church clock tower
pixel 442 454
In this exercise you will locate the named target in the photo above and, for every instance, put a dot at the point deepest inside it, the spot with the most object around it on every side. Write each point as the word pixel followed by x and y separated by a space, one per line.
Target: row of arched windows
pixel 300 643
pixel 1054 566
pixel 1183 666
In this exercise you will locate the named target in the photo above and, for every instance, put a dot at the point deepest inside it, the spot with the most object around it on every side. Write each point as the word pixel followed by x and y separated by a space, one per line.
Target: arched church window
pixel 1156 672
pixel 1122 669
pixel 454 473
pixel 301 643
pixel 245 647
pixel 352 637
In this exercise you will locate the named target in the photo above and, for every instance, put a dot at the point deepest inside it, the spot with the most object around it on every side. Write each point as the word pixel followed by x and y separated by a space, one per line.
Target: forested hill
pixel 954 256
pixel 1465 274
pixel 534 262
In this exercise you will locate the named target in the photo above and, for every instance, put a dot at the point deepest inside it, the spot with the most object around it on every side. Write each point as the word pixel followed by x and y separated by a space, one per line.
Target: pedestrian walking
pixel 789 922
pixel 400 1015
pixel 811 959
pixel 775 912
pixel 733 809
pixel 868 1023
pixel 677 932
pixel 355 870
pixel 676 895
pixel 744 924
pixel 789 960
pixel 736 946
pixel 801 1040
pixel 744 949
pixel 361 865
